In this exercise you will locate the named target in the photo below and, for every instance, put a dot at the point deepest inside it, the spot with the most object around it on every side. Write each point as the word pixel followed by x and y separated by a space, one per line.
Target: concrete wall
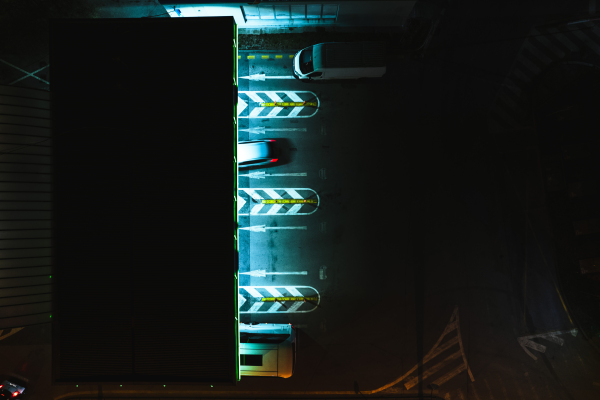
pixel 291 14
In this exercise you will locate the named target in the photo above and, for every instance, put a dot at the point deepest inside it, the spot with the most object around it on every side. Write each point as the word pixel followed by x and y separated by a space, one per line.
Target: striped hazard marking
pixel 277 201
pixel 277 299
pixel 440 370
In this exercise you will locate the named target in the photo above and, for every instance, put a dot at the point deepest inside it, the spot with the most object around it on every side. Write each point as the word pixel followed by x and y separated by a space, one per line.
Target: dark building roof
pixel 144 286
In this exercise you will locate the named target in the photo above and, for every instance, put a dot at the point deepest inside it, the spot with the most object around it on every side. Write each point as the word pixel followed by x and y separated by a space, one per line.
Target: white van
pixel 267 350
pixel 340 60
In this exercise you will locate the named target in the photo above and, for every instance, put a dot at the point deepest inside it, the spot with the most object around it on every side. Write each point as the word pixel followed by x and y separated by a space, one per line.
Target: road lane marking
pixel 303 200
pixel 277 299
pixel 248 102
pixel 262 228
pixel 260 130
pixel 453 325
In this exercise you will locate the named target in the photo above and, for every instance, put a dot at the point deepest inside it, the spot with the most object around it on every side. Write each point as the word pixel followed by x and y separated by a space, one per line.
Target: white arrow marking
pixel 261 273
pixel 261 129
pixel 262 77
pixel 262 228
pixel 262 175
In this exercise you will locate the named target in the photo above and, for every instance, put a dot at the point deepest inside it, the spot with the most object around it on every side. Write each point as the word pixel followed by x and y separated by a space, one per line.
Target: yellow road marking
pixel 265 57
pixel 289 104
pixel 290 299
pixel 278 56
pixel 250 57
pixel 290 201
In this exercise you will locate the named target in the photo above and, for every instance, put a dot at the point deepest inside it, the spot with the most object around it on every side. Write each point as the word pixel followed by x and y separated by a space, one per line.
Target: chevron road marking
pixel 305 297
pixel 524 341
pixel 543 46
pixel 297 96
pixel 12 332
pixel 458 354
pixel 274 207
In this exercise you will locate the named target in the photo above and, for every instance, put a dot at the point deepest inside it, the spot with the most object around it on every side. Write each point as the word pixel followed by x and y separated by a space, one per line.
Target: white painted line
pixel 240 202
pixel 295 306
pixel 255 112
pixel 256 209
pixel 519 74
pixel 295 112
pixel 25 72
pixel 294 194
pixel 255 307
pixel 512 86
pixel 274 209
pixel 12 332
pixel 563 39
pixel 531 66
pixel 274 96
pixel 547 43
pixel 294 97
pixel 253 292
pixel 432 370
pixel 553 339
pixel 537 53
pixel 262 175
pixel 241 106
pixel 241 300
pixel 274 111
pixel 252 193
pixel 273 194
pixel 274 292
pixel 276 306
pixel 254 97
pixel 295 208
pixel 293 291
pixel 30 74
pixel 262 228
pixel 585 39
pixel 262 77
pixel 260 130
pixel 450 375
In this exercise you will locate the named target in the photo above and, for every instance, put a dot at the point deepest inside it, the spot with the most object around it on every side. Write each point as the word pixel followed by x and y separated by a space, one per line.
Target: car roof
pixel 252 150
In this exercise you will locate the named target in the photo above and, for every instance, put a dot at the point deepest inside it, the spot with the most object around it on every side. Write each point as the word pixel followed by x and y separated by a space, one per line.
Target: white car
pixel 256 152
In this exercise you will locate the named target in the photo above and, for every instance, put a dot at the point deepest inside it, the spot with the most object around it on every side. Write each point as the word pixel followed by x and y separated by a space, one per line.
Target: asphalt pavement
pixel 429 246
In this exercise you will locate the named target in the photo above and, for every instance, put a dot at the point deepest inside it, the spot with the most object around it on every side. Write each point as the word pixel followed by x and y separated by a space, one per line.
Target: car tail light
pixel 274 160
pixel 272 140
pixel 15 394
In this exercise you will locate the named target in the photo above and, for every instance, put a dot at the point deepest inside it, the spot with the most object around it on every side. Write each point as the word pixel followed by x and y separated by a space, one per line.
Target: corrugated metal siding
pixel 25 207
pixel 353 55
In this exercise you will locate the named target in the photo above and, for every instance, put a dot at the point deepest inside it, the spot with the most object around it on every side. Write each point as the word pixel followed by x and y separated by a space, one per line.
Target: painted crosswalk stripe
pixel 563 39
pixel 453 326
pixel 450 375
pixel 537 53
pixel 543 40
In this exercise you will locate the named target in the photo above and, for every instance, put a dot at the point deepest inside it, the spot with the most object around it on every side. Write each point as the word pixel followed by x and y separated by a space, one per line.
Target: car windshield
pixel 306 61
